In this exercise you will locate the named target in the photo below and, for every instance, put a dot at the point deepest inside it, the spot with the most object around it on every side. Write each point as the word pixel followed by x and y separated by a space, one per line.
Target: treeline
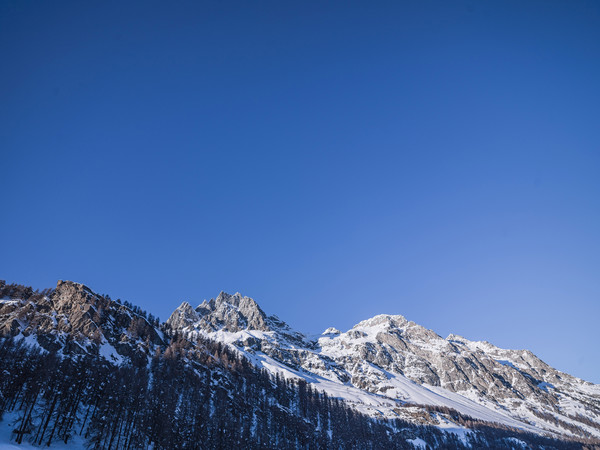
pixel 500 431
pixel 575 429
pixel 137 310
pixel 19 291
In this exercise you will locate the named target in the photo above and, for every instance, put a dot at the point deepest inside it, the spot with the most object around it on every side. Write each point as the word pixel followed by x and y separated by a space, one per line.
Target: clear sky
pixel 332 160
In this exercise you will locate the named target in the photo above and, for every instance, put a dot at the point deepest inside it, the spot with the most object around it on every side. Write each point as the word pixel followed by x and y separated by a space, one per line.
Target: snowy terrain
pixel 385 367
pixel 385 364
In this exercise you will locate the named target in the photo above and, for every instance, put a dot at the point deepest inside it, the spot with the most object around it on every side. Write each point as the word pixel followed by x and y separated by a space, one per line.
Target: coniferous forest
pixel 196 399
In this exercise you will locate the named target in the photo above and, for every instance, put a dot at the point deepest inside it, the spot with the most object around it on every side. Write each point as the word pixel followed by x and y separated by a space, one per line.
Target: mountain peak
pixel 384 321
pixel 331 331
pixel 457 338
pixel 183 316
pixel 69 293
pixel 232 314
pixel 67 285
pixel 227 312
pixel 236 300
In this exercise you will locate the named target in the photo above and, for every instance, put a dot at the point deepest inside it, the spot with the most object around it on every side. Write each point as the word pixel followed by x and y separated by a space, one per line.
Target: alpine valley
pixel 80 370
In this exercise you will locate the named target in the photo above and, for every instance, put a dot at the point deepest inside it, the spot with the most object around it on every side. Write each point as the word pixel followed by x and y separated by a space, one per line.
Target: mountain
pixel 80 370
pixel 388 366
pixel 75 320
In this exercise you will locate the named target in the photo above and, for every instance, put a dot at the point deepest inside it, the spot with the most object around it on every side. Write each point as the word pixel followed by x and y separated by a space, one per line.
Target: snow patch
pixel 417 443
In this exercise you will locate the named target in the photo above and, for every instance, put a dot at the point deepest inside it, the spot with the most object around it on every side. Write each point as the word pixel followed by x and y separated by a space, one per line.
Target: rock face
pixel 183 317
pixel 391 358
pixel 231 314
pixel 399 346
pixel 76 320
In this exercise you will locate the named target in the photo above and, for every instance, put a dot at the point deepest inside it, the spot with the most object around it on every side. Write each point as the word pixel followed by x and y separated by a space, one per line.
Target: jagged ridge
pixel 399 362
pixel 385 366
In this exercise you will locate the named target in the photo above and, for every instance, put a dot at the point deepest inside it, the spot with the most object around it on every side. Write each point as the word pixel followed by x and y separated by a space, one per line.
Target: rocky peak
pixel 331 331
pixel 76 320
pixel 396 325
pixel 183 316
pixel 67 284
pixel 457 338
pixel 69 294
pixel 230 313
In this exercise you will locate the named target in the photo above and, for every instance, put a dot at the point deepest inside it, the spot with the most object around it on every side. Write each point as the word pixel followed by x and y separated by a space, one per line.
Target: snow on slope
pixel 385 364
pixel 403 390
pixel 9 422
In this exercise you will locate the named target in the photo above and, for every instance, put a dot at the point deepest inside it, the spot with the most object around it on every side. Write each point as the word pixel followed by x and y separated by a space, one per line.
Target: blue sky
pixel 332 160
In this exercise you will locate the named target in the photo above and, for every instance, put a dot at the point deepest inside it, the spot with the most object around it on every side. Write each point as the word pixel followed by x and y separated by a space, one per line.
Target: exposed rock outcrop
pixel 74 319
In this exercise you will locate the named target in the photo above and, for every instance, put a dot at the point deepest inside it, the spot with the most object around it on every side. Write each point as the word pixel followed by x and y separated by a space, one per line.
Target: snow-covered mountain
pixel 75 320
pixel 391 367
pixel 80 368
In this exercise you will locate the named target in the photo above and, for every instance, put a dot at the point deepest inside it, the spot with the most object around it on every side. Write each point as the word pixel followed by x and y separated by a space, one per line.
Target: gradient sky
pixel 332 160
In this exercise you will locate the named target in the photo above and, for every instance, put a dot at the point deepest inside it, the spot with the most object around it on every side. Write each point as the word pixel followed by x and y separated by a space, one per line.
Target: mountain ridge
pixel 385 367
pixel 390 356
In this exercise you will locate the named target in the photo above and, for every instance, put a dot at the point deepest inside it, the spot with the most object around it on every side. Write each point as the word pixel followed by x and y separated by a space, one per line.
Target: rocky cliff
pixel 74 319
